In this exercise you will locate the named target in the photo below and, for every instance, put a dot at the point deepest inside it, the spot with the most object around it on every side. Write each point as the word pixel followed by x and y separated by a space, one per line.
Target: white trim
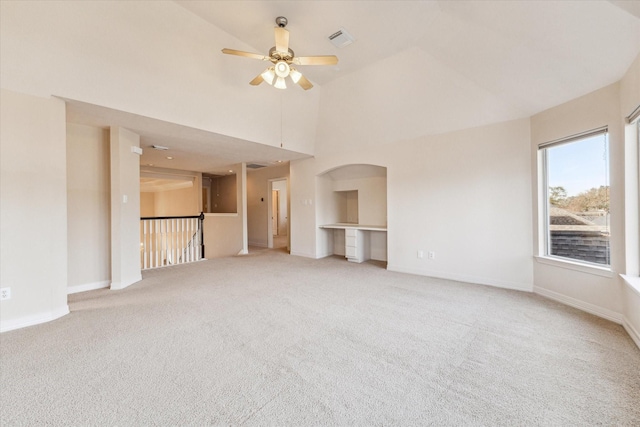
pixel 633 333
pixel 270 182
pixel 632 282
pixel 576 266
pixel 326 254
pixel 35 319
pixel 88 287
pixel 505 284
pixel 576 137
pixel 116 286
pixel 303 254
pixel 581 305
pixel 634 115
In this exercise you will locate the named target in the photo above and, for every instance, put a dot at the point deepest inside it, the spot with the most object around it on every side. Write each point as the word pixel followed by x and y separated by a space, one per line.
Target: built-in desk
pixel 357 239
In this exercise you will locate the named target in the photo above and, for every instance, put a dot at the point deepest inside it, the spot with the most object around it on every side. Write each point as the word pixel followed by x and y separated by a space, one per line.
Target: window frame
pixel 545 256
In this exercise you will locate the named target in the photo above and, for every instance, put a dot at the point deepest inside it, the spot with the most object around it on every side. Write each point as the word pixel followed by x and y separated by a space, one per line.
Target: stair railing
pixel 170 240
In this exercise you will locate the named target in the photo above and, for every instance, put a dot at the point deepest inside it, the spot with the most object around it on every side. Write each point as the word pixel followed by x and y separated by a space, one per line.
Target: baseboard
pixel 326 254
pixel 580 305
pixel 633 332
pixel 88 287
pixel 36 319
pixel 302 254
pixel 116 286
pixel 462 278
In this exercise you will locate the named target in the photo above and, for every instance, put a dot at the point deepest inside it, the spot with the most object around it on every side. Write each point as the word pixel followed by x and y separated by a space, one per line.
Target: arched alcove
pixel 351 212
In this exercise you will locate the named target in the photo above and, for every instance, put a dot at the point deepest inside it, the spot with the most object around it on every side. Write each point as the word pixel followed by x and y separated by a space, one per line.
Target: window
pixel 576 197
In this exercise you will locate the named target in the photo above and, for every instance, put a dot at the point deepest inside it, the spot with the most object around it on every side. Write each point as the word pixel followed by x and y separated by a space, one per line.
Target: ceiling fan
pixel 283 59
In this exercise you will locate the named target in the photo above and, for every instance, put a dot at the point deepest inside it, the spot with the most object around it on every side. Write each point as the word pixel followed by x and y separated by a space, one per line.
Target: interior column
pixel 125 208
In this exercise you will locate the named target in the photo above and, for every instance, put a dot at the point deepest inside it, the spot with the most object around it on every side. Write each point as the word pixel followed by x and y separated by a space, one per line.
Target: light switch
pixel 125 199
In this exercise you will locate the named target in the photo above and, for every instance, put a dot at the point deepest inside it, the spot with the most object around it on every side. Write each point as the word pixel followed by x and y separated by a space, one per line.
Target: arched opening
pixel 351 212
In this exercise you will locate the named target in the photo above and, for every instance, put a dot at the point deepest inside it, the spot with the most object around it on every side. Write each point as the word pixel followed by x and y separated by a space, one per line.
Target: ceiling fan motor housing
pixel 281 21
pixel 277 56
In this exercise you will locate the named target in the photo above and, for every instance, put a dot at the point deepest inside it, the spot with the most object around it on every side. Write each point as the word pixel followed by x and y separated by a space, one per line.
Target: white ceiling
pixel 191 149
pixel 532 54
pixel 528 55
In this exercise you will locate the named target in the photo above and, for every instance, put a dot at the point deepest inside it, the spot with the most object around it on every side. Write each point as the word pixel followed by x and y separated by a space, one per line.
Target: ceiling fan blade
pixel 245 54
pixel 304 83
pixel 316 60
pixel 282 40
pixel 257 80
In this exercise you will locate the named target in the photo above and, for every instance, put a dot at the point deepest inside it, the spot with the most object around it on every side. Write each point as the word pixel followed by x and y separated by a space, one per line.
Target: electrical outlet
pixel 420 254
pixel 5 293
pixel 432 255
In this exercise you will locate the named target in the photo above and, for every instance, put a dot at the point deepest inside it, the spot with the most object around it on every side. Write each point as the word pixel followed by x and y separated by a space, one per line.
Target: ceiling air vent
pixel 254 166
pixel 341 38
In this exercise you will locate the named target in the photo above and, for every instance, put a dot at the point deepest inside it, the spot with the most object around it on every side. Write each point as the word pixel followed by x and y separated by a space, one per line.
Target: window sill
pixel 633 282
pixel 575 266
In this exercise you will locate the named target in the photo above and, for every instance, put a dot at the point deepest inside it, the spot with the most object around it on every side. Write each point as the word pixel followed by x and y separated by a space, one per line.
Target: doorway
pixel 278 224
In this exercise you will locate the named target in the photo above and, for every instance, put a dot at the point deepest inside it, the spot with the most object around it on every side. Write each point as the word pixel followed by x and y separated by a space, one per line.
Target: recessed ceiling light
pixel 149 164
pixel 169 158
pixel 230 171
pixel 278 161
pixel 159 147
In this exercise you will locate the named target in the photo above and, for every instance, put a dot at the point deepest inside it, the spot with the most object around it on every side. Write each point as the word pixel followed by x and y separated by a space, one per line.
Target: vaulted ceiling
pixel 531 54
pixel 519 57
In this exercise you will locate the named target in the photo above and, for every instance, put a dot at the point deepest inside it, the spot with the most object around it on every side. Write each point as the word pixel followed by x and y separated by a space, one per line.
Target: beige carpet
pixel 273 339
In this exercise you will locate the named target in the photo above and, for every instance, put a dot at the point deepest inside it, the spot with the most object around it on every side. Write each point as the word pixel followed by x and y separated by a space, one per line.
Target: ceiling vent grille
pixel 254 166
pixel 341 38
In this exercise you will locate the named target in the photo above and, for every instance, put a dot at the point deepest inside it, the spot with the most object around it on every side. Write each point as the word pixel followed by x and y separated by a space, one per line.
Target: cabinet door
pixel 350 252
pixel 351 241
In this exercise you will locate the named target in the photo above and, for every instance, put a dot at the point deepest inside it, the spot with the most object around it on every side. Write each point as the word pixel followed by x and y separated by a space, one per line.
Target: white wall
pixel 135 56
pixel 629 100
pixel 180 202
pixel 147 204
pixel 224 194
pixel 225 234
pixel 372 198
pixel 222 235
pixel 372 107
pixel 585 289
pixel 33 210
pixel 465 195
pixel 88 208
pixel 630 88
pixel 631 320
pixel 125 208
pixel 258 214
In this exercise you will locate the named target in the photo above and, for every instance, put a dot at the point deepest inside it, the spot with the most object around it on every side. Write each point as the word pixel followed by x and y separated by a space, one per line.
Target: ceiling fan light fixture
pixel 282 69
pixel 295 75
pixel 268 75
pixel 282 57
pixel 280 83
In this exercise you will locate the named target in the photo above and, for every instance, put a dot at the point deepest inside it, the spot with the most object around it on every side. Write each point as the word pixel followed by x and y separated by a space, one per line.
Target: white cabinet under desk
pixel 357 240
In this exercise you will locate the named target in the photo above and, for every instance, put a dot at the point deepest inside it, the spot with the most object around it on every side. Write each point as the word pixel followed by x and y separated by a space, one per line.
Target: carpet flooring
pixel 274 339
